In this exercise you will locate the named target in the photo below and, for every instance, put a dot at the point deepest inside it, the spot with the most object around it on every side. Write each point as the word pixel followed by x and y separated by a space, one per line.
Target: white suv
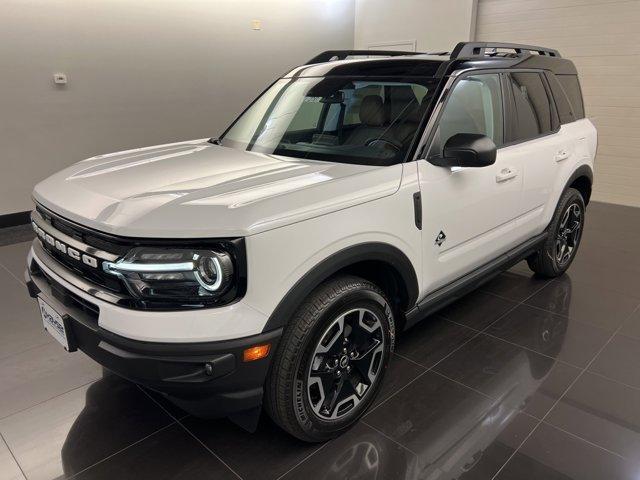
pixel 276 264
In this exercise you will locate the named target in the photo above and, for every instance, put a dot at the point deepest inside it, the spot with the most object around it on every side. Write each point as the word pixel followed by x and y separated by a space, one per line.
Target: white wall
pixel 140 73
pixel 601 37
pixel 432 24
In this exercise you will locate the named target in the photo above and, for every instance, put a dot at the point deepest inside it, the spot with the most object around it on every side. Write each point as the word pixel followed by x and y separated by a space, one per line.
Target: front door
pixel 468 213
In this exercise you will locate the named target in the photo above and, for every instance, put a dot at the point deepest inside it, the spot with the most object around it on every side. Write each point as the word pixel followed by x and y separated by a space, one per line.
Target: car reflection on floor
pixel 450 447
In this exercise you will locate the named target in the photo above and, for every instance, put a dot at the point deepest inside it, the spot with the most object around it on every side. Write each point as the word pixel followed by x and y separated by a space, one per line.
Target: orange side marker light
pixel 256 353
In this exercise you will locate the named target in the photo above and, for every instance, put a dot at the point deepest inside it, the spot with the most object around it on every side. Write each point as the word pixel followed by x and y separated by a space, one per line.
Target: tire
pixel 565 228
pixel 346 312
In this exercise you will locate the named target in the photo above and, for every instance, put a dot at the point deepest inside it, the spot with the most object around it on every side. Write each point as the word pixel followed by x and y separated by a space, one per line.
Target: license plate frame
pixel 57 325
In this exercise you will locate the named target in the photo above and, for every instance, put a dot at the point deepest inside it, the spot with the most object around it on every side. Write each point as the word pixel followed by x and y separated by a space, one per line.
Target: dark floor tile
pixel 9 469
pixel 603 412
pixel 594 243
pixel 515 285
pixel 620 360
pixel 550 386
pixel 14 258
pixel 631 327
pixel 171 408
pixel 622 279
pixel 551 454
pixel 362 453
pixel 522 268
pixel 265 454
pixel 41 373
pixel 20 321
pixel 498 447
pixel 400 372
pixel 611 217
pixel 554 335
pixel 450 428
pixel 432 340
pixel 477 310
pixel 170 454
pixel 517 377
pixel 581 301
pixel 19 233
pixel 73 431
pixel 432 407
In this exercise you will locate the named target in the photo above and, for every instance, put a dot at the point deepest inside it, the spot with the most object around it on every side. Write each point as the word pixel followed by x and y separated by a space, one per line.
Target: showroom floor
pixel 523 379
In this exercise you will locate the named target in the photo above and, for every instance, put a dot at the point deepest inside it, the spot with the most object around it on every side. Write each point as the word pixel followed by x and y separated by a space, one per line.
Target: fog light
pixel 256 353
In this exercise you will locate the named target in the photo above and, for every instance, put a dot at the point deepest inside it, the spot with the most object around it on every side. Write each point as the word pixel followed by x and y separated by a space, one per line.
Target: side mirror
pixel 467 150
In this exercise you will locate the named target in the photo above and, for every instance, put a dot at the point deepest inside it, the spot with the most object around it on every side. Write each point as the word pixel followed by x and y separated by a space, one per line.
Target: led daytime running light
pixel 149 267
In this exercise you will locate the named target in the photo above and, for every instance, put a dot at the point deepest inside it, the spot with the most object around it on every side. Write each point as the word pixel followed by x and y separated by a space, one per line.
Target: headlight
pixel 185 276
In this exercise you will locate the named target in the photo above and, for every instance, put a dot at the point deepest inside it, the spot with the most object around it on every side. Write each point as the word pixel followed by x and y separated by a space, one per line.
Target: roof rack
pixel 330 55
pixel 479 49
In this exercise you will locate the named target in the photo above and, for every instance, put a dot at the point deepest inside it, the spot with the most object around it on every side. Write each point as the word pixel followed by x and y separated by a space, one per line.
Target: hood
pixel 197 189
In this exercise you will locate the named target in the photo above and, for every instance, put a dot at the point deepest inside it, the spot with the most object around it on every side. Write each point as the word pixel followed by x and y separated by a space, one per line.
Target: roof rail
pixel 479 49
pixel 330 55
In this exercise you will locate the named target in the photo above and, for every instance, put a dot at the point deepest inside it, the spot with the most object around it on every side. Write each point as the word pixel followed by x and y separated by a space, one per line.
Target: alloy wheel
pixel 568 234
pixel 345 363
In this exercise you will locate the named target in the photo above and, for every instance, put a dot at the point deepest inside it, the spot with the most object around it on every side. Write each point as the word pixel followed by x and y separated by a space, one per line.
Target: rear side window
pixel 571 87
pixel 534 115
pixel 565 110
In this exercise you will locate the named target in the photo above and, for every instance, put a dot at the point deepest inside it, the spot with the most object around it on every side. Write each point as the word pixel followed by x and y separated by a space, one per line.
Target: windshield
pixel 339 119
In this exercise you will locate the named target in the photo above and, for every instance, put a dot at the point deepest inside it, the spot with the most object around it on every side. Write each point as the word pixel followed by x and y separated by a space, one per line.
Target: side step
pixel 458 288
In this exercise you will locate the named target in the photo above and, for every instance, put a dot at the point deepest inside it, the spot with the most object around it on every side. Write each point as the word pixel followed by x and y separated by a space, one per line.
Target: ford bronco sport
pixel 276 264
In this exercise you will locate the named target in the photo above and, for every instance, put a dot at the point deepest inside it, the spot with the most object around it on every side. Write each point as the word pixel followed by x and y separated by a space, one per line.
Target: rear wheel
pixel 565 233
pixel 331 359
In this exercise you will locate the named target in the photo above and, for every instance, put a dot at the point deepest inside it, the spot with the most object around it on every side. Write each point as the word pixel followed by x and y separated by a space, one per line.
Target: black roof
pixel 466 55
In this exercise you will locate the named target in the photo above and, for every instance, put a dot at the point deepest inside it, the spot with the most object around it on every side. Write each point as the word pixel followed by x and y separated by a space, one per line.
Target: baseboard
pixel 14 219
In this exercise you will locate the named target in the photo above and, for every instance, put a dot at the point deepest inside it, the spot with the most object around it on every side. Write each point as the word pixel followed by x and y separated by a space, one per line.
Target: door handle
pixel 562 155
pixel 505 174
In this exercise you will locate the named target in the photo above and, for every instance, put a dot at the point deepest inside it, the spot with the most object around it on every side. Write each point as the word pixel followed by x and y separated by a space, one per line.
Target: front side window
pixel 340 119
pixel 533 112
pixel 474 106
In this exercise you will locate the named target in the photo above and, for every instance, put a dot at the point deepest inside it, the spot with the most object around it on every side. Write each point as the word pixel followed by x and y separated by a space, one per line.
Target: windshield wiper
pixel 215 141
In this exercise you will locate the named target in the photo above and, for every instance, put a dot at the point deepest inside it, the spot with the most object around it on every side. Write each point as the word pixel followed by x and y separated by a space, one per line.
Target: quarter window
pixel 572 88
pixel 565 111
pixel 474 106
pixel 533 112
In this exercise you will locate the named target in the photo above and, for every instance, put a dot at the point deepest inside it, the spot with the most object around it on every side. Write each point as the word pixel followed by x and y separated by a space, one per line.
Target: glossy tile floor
pixel 523 379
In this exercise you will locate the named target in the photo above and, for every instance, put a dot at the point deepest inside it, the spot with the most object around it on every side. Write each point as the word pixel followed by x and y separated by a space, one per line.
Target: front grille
pixel 91 238
pixel 101 241
pixel 94 248
pixel 94 275
pixel 64 296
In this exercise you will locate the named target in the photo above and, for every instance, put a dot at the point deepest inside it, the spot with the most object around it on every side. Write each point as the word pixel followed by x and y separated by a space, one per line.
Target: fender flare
pixel 581 171
pixel 383 252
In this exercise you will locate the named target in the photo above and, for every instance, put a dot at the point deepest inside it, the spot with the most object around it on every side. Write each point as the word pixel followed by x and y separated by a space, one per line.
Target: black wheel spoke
pixel 341 375
pixel 568 234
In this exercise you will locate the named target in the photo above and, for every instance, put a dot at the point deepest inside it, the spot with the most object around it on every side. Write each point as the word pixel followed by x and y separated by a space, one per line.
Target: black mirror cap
pixel 468 150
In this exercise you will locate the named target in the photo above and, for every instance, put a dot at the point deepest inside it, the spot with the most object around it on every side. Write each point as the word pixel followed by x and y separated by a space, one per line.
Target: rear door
pixel 534 137
pixel 468 213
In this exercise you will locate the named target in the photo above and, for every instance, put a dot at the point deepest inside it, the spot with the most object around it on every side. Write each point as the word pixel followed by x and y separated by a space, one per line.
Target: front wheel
pixel 565 233
pixel 331 359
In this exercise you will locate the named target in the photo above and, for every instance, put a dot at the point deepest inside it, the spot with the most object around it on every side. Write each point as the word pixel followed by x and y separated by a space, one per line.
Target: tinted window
pixel 571 87
pixel 532 107
pixel 474 106
pixel 339 119
pixel 565 111
pixel 307 116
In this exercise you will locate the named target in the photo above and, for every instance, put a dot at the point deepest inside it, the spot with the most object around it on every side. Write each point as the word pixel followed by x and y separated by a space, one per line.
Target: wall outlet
pixel 60 78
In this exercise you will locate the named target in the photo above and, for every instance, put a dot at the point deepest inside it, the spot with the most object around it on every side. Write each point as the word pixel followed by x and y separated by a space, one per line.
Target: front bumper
pixel 208 379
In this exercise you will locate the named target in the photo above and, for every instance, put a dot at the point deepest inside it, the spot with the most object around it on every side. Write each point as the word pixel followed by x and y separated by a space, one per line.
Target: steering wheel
pixel 395 145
